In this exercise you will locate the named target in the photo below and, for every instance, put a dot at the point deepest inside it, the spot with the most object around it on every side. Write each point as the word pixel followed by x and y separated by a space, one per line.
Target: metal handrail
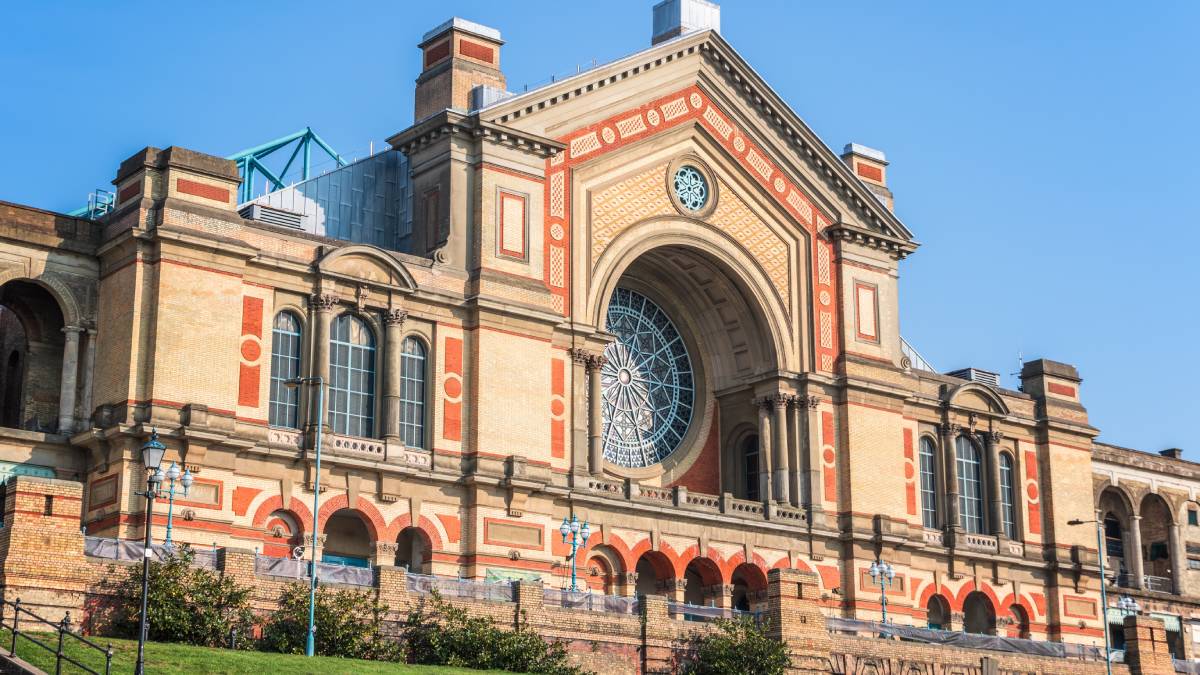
pixel 63 628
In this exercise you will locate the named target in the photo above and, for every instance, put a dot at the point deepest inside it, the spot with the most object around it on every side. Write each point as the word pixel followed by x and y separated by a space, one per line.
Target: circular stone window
pixel 646 383
pixel 691 188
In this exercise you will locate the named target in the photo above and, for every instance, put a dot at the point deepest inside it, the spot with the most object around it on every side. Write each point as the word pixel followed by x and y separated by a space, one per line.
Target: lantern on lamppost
pixel 185 479
pixel 576 534
pixel 882 574
pixel 152 456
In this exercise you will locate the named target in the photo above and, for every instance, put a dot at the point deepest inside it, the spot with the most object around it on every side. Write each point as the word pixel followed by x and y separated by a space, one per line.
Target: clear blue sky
pixel 1045 154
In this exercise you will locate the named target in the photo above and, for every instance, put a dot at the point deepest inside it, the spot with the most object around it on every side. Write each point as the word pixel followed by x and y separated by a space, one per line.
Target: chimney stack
pixel 456 57
pixel 673 18
pixel 1173 453
pixel 870 165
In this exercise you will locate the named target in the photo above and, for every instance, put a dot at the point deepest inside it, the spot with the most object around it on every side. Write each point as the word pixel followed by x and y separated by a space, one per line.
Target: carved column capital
pixel 949 428
pixel 588 359
pixel 395 317
pixel 994 437
pixel 323 302
pixel 779 401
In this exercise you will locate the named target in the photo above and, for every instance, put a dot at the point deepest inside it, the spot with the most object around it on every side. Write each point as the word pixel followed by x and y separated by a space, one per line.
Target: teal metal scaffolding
pixel 253 160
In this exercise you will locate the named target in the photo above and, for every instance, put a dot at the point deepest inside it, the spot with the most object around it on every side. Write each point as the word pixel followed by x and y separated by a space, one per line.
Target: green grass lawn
pixel 164 657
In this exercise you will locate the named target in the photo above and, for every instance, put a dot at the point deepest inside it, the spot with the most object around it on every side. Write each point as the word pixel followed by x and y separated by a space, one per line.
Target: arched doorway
pixel 603 570
pixel 749 582
pixel 653 573
pixel 937 612
pixel 347 539
pixel 703 583
pixel 1020 622
pixel 414 551
pixel 1119 549
pixel 1155 527
pixel 978 614
pixel 31 357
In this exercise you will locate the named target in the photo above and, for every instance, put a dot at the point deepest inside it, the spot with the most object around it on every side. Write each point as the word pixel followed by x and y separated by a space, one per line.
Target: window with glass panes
pixel 351 377
pixel 1008 509
pixel 970 486
pixel 285 365
pixel 928 462
pixel 750 467
pixel 412 392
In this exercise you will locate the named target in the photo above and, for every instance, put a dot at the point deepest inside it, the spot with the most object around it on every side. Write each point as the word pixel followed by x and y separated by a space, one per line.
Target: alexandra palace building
pixel 646 295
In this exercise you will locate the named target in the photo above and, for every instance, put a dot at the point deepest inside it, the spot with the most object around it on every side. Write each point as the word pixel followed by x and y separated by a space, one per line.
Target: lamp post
pixel 578 535
pixel 882 574
pixel 1103 590
pixel 310 646
pixel 186 481
pixel 152 455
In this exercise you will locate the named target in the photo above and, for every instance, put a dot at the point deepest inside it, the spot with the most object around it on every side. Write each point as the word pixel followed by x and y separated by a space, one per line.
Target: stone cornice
pixel 895 247
pixel 451 123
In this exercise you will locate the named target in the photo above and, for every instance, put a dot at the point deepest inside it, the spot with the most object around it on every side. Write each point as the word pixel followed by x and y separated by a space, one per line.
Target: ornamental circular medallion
pixel 652 117
pixel 739 144
pixel 691 188
pixel 556 232
pixel 646 383
pixel 608 135
pixel 695 99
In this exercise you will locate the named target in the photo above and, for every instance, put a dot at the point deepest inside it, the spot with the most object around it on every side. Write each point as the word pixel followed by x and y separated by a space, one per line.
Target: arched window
pixel 352 377
pixel 412 392
pixel 929 511
pixel 285 365
pixel 750 467
pixel 1008 509
pixel 970 485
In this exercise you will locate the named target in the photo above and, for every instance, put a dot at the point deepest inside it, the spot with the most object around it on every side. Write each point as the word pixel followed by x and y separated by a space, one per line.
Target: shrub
pixel 350 624
pixel 193 605
pixel 438 633
pixel 738 646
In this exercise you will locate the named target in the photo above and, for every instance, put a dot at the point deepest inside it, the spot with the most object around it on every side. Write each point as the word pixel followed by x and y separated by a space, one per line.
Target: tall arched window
pixel 285 365
pixel 1008 509
pixel 970 485
pixel 929 510
pixel 352 377
pixel 412 392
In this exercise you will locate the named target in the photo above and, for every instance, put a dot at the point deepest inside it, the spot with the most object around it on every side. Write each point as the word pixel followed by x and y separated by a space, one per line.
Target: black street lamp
pixel 152 456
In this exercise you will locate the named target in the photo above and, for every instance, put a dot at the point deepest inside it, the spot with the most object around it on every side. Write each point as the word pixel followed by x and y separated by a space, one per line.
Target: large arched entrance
pixel 1156 524
pixel 32 342
pixel 692 331
pixel 654 572
pixel 347 539
pixel 938 613
pixel 979 616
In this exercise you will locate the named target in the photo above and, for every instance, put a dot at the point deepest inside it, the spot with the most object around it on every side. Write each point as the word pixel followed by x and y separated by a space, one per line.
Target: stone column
pixel 675 589
pixel 799 491
pixel 780 462
pixel 89 367
pixel 322 305
pixel 812 467
pixel 991 442
pixel 595 362
pixel 70 382
pixel 1136 564
pixel 950 474
pixel 627 584
pixel 393 320
pixel 721 595
pixel 1175 545
pixel 765 407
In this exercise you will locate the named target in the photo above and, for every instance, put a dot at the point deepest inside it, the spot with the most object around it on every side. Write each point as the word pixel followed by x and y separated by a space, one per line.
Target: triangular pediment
pixel 612 104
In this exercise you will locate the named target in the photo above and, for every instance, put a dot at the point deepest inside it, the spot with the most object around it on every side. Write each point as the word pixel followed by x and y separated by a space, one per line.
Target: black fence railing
pixel 42 627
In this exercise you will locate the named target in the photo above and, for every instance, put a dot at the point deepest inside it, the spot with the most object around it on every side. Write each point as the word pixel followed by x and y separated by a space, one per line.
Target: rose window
pixel 646 382
pixel 691 188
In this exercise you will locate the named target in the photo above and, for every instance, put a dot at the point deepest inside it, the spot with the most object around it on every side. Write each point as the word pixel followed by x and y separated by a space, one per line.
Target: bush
pixel 438 633
pixel 193 605
pixel 738 646
pixel 350 624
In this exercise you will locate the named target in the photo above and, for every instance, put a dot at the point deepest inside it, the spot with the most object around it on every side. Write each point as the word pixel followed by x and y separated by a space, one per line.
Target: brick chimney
pixel 1173 453
pixel 456 57
pixel 870 165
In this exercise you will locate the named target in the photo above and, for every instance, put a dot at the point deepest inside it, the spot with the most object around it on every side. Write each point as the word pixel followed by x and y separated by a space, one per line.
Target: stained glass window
pixel 352 377
pixel 691 188
pixel 929 513
pixel 412 392
pixel 646 381
pixel 285 365
pixel 970 486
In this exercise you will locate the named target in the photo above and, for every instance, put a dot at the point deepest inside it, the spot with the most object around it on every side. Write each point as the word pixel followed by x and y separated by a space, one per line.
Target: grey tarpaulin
pixel 460 588
pixel 127 549
pixel 592 602
pixel 967 640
